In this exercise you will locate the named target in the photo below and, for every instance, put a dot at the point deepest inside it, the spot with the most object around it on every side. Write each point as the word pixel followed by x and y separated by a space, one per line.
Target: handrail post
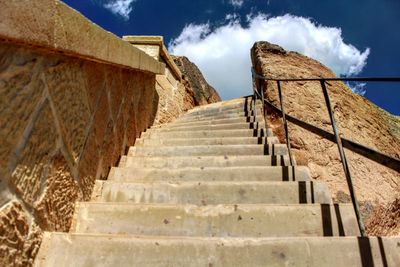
pixel 254 100
pixel 263 104
pixel 285 123
pixel 343 159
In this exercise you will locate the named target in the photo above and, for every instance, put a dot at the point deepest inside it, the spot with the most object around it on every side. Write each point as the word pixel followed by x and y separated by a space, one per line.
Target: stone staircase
pixel 213 188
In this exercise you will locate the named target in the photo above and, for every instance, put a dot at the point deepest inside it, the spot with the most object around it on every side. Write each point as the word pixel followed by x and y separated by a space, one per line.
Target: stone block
pixel 108 151
pixel 114 86
pixel 21 90
pixel 55 26
pixel 129 84
pixel 145 106
pixel 19 240
pixel 14 229
pixel 95 82
pixel 130 131
pixel 88 166
pixel 66 85
pixel 101 118
pixel 34 162
pixel 55 208
pixel 119 136
pixel 30 21
pixel 76 34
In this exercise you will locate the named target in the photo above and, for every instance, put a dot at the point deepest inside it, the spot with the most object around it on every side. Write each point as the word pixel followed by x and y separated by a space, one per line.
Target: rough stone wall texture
pixel 195 82
pixel 176 97
pixel 64 123
pixel 357 119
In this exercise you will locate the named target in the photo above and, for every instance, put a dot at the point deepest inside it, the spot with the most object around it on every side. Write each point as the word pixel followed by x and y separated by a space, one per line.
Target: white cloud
pixel 122 8
pixel 236 3
pixel 223 54
pixel 358 87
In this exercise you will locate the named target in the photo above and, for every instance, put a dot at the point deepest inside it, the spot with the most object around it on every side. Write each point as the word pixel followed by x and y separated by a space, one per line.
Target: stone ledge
pixel 163 52
pixel 52 25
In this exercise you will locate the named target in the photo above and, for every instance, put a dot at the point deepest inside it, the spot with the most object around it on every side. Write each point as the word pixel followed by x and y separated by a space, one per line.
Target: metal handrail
pixel 341 142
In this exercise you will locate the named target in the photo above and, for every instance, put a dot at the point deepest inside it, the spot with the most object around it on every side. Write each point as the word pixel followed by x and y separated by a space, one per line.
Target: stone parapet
pixel 154 46
pixel 52 25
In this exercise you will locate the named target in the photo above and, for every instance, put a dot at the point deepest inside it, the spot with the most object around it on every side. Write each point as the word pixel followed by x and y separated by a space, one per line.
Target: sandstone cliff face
pixel 357 119
pixel 194 82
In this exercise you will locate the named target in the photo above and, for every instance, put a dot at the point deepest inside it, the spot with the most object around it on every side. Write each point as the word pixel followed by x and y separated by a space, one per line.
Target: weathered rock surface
pixel 357 119
pixel 385 220
pixel 176 96
pixel 194 81
pixel 19 239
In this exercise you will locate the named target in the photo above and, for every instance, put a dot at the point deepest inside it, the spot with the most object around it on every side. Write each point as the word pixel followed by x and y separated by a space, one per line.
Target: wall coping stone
pixel 52 25
pixel 156 41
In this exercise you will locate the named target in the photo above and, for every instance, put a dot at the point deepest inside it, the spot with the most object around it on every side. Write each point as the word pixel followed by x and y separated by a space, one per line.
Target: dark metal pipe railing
pixel 341 142
pixel 343 158
pixel 285 123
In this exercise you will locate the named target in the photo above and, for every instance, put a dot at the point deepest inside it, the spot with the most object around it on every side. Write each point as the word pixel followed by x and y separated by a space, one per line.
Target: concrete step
pixel 253 173
pixel 245 220
pixel 230 126
pixel 209 133
pixel 240 100
pixel 213 193
pixel 206 141
pixel 201 161
pixel 227 103
pixel 225 115
pixel 232 108
pixel 209 150
pixel 79 250
pixel 212 122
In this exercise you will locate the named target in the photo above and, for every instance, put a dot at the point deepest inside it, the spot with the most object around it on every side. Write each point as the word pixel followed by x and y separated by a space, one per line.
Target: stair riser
pixel 213 193
pixel 208 134
pixel 215 221
pixel 217 116
pixel 222 150
pixel 213 122
pixel 242 120
pixel 233 126
pixel 101 250
pixel 266 173
pixel 209 161
pixel 214 106
pixel 240 108
pixel 206 141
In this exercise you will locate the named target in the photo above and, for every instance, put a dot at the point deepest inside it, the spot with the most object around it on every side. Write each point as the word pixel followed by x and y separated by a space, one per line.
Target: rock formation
pixel 357 119
pixel 195 83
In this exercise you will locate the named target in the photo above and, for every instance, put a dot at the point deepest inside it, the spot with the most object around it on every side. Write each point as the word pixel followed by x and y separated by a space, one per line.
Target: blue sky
pixel 352 37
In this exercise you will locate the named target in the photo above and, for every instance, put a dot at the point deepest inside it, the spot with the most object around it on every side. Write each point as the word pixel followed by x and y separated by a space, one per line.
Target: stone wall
pixel 73 98
pixel 64 123
pixel 357 119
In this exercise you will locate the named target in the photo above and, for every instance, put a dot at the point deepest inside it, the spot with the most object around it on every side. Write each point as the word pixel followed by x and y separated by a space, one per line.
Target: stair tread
pixel 235 173
pixel 199 161
pixel 62 249
pixel 198 150
pixel 213 192
pixel 216 220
